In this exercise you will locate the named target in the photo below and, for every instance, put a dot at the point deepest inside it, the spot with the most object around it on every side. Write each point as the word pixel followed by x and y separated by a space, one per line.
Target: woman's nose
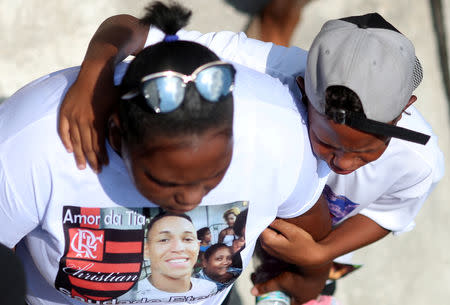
pixel 191 195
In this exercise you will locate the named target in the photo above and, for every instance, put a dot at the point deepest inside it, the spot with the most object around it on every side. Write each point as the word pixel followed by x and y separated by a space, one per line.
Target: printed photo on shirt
pixel 339 205
pixel 122 255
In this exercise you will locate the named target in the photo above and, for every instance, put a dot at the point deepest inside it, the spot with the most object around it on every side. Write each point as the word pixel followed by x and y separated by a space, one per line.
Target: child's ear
pixel 412 99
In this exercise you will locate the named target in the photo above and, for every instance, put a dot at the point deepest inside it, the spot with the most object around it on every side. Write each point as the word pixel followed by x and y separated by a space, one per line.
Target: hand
pixel 83 117
pixel 290 283
pixel 292 244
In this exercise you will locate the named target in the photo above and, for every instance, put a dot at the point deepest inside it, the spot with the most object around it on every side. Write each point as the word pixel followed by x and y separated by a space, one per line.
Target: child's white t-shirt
pixel 390 190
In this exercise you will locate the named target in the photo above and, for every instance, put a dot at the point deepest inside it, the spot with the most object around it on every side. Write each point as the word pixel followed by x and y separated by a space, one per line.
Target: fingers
pixel 271 285
pixel 81 138
pixel 77 149
pixel 88 146
pixel 279 232
pixel 86 142
pixel 289 243
pixel 272 242
pixel 95 148
pixel 283 227
pixel 269 234
pixel 64 134
pixel 289 230
pixel 270 238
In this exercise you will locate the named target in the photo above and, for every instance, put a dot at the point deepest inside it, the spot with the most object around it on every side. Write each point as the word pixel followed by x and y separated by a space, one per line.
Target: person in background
pixel 239 243
pixel 271 20
pixel 217 266
pixel 205 237
pixel 227 235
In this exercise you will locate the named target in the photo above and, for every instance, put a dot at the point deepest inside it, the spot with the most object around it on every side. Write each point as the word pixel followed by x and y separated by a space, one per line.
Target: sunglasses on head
pixel 165 91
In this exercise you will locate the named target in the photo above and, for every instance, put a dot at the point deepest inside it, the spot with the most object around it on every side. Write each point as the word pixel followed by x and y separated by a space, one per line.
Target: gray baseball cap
pixel 372 58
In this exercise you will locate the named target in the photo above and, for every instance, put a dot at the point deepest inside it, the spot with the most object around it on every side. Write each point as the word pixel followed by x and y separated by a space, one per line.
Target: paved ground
pixel 41 36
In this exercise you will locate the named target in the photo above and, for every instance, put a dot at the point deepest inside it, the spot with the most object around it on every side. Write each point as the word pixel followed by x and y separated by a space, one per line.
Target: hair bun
pixel 168 18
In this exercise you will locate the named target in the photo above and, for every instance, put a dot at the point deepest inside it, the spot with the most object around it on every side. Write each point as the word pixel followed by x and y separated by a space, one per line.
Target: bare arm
pixel 354 233
pixel 119 36
pixel 307 281
pixel 82 122
pixel 313 252
pixel 116 38
pixel 222 235
pixel 317 222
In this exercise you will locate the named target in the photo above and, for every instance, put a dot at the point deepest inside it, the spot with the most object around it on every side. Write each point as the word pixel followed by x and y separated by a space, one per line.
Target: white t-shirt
pixel 84 234
pixel 390 190
pixel 148 293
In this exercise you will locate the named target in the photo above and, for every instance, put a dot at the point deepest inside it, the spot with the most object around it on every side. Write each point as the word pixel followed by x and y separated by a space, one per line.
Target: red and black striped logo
pixel 103 252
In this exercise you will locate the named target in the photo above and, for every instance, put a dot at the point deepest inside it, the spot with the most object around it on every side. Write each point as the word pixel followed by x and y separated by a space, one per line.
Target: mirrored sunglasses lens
pixel 164 94
pixel 214 82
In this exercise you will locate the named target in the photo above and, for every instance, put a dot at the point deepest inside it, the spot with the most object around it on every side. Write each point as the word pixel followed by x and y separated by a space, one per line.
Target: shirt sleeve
pixel 416 175
pixel 17 218
pixel 312 176
pixel 277 61
pixel 396 209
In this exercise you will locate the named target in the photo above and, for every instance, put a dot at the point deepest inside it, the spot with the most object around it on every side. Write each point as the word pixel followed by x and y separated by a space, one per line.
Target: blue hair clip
pixel 169 38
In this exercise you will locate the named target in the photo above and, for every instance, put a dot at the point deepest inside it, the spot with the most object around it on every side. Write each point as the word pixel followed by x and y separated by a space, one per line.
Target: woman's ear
pixel 115 133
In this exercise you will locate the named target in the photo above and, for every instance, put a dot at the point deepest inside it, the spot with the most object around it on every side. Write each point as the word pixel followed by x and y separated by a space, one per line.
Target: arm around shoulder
pixel 88 103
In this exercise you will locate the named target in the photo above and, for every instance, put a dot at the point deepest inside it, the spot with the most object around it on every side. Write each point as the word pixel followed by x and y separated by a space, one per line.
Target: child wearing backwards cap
pixel 361 123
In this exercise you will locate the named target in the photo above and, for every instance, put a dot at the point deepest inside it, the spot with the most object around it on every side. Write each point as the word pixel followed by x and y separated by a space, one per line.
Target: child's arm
pixel 309 279
pixel 282 237
pixel 354 233
pixel 88 102
pixel 93 93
